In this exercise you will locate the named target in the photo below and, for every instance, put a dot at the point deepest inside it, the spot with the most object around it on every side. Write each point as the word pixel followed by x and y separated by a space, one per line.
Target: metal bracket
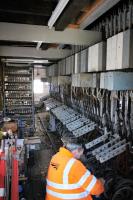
pixel 97 141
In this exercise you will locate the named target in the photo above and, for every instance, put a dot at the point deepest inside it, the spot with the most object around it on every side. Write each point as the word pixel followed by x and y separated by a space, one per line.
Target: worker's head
pixel 72 144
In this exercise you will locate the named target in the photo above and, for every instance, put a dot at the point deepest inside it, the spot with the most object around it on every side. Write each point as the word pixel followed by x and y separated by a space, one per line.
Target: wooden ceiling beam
pixel 70 13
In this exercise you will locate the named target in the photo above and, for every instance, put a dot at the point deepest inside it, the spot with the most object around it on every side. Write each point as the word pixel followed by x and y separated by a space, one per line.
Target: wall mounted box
pixel 63 67
pixel 84 60
pixel 82 80
pixel 120 51
pixel 68 65
pixel 59 68
pixel 96 80
pixel 127 55
pixel 102 80
pixel 72 64
pixel 64 80
pixel 97 57
pixel 116 80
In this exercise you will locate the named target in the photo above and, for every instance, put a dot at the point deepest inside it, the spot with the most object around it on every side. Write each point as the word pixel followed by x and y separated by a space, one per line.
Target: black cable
pixel 118 188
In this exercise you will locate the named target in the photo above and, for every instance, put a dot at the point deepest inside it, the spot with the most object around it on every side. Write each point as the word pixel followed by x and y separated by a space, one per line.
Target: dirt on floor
pixel 35 186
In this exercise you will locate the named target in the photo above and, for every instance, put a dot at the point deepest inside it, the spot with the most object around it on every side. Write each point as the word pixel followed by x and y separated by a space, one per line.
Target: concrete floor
pixel 35 188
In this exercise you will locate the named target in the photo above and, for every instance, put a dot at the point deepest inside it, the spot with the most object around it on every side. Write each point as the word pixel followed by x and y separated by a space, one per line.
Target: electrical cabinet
pixel 119 51
pixel 72 64
pixel 116 80
pixel 62 67
pixel 127 54
pixel 52 70
pixel 113 52
pixel 64 80
pixel 60 80
pixel 18 95
pixel 59 68
pixel 97 57
pixel 96 80
pixel 55 70
pixel 102 80
pixel 82 80
pixel 69 65
pixel 90 60
pixel 84 60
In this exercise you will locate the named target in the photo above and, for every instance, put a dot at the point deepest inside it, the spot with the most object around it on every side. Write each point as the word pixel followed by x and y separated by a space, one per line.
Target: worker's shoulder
pixel 56 156
pixel 79 164
pixel 78 169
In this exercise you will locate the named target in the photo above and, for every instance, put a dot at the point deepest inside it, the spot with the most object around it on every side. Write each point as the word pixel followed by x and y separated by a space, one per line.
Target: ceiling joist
pixel 34 33
pixel 26 52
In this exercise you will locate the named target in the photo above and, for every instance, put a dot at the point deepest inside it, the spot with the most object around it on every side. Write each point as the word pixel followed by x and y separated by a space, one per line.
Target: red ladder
pixel 15 176
pixel 2 175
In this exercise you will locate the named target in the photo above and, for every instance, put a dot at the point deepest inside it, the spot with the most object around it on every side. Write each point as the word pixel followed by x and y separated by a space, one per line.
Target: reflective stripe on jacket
pixel 69 179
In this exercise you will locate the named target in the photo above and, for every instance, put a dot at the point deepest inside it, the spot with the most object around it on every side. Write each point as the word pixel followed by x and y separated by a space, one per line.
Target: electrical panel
pixel 82 80
pixel 96 80
pixel 18 95
pixel 77 62
pixel 64 80
pixel 59 67
pixel 60 80
pixel 69 65
pixel 97 57
pixel 62 67
pixel 119 51
pixel 61 70
pixel 116 80
pixel 52 70
pixel 84 60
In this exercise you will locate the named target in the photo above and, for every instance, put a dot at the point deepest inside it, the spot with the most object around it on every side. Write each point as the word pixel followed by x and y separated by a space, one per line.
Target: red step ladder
pixel 15 176
pixel 2 175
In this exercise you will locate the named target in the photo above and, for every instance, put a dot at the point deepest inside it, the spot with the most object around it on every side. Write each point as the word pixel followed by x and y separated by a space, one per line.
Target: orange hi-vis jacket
pixel 69 179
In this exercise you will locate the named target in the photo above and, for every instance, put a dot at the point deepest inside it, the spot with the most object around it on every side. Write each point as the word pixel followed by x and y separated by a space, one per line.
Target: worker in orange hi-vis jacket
pixel 68 178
